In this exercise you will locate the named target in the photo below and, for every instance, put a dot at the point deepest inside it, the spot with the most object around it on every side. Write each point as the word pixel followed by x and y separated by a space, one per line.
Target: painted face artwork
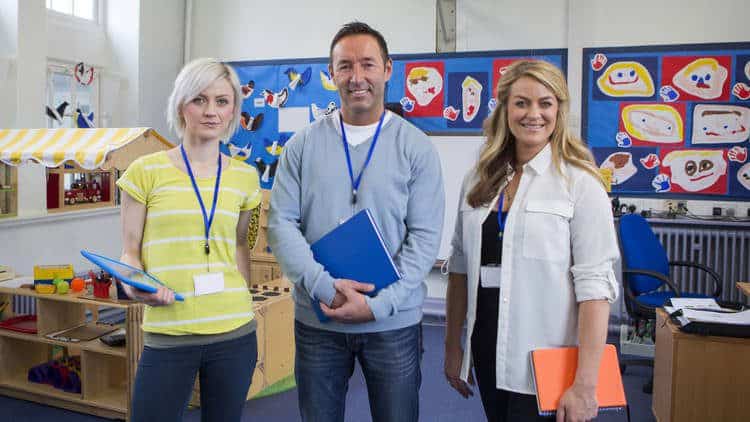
pixel 695 170
pixel 703 78
pixel 626 79
pixel 743 176
pixel 653 122
pixel 471 96
pixel 424 83
pixel 621 164
pixel 720 124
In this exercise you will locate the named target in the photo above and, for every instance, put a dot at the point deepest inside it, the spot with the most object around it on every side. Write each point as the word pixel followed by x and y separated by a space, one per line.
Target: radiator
pixel 723 247
pixel 725 250
pixel 24 305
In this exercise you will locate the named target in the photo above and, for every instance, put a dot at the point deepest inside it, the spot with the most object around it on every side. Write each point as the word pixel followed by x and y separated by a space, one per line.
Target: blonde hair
pixel 196 76
pixel 498 150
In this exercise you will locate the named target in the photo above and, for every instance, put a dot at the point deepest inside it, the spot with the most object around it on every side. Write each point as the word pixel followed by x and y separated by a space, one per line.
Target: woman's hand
pixel 163 296
pixel 578 404
pixel 452 367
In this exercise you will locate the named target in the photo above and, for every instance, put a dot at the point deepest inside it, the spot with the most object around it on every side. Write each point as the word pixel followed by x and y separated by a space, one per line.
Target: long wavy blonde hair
pixel 499 148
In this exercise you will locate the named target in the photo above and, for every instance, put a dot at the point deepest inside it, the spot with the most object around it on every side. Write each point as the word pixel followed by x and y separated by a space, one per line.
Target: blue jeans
pixel 165 378
pixel 390 362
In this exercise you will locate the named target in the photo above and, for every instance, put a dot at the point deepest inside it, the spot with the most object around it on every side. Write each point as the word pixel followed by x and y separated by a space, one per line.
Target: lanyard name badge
pixel 356 182
pixel 490 274
pixel 207 282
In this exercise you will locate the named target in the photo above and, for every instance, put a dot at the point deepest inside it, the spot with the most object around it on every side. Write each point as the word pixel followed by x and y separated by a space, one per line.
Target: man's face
pixel 358 70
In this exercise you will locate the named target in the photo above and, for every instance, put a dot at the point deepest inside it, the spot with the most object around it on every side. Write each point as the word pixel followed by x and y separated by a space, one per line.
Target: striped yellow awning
pixel 89 149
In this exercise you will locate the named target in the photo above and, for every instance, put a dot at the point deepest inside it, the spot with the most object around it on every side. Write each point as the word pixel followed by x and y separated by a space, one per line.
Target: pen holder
pixel 101 288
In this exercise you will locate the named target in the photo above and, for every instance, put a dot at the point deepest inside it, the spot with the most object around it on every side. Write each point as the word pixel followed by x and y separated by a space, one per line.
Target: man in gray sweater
pixel 361 157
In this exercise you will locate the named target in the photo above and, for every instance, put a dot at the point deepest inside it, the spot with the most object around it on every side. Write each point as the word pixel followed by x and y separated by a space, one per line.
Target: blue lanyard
pixel 207 220
pixel 500 219
pixel 355 183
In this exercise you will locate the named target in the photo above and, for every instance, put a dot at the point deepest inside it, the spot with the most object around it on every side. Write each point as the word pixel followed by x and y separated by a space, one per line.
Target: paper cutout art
pixel 658 123
pixel 661 183
pixel 326 81
pixel 626 79
pixel 318 113
pixel 248 89
pixel 720 124
pixel 621 165
pixel 471 98
pixel 598 62
pixel 424 84
pixel 701 78
pixel 743 176
pixel 741 91
pixel 737 154
pixel 696 170
pixel 650 161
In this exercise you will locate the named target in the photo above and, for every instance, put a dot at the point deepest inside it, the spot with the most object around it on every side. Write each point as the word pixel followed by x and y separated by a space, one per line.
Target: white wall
pixel 161 40
pixel 252 30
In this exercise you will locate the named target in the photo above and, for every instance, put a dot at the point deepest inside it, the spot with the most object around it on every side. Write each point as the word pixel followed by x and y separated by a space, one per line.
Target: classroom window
pixel 67 96
pixel 84 9
pixel 69 187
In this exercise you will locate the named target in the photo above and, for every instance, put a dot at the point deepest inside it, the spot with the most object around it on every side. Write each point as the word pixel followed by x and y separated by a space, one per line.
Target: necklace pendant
pixel 354 197
pixel 206 248
pixel 500 235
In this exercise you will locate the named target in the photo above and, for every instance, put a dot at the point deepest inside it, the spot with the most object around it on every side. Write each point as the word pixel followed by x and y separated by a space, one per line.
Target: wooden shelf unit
pixel 107 373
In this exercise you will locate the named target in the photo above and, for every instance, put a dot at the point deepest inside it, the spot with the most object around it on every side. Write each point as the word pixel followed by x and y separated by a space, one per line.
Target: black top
pixel 492 245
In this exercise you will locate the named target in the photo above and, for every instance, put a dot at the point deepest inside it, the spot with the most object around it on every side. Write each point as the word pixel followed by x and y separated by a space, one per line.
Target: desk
pixel 744 287
pixel 699 378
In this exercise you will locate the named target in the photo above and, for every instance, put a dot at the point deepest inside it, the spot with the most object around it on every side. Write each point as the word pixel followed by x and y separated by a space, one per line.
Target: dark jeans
pixel 165 378
pixel 390 362
pixel 499 405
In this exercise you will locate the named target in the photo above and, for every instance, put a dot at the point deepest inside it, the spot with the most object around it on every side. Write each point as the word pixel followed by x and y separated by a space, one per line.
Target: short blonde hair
pixel 196 76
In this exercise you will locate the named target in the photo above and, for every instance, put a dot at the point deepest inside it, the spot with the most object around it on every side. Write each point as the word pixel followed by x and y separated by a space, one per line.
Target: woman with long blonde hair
pixel 533 252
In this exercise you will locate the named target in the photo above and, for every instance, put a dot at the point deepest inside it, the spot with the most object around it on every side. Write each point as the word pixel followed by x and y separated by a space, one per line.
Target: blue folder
pixel 355 250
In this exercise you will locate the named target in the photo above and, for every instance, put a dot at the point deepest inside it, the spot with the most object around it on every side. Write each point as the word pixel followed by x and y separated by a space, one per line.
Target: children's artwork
pixel 442 94
pixel 670 120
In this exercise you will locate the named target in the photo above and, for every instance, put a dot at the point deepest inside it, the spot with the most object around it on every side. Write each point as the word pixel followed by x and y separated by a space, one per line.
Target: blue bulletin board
pixel 672 120
pixel 442 94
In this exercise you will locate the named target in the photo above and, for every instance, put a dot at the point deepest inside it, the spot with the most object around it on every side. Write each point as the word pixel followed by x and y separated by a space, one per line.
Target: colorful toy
pixel 61 286
pixel 77 284
pixel 44 275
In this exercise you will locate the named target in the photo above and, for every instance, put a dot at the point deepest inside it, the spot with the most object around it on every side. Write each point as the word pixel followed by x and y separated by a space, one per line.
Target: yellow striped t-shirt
pixel 173 242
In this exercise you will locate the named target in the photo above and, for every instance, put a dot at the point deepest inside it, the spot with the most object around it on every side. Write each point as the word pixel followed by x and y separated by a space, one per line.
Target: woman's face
pixel 207 116
pixel 532 113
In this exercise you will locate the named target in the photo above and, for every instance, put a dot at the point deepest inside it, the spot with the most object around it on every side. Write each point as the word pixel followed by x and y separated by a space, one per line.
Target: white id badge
pixel 208 283
pixel 489 276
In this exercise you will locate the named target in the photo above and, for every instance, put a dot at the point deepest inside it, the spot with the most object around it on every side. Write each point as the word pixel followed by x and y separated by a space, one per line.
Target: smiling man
pixel 362 157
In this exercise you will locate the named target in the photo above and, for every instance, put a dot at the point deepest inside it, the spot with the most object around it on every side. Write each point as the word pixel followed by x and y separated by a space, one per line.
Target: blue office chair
pixel 646 269
pixel 645 273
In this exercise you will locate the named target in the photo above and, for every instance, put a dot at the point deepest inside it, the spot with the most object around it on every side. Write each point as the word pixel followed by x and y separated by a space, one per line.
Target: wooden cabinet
pixel 106 373
pixel 699 378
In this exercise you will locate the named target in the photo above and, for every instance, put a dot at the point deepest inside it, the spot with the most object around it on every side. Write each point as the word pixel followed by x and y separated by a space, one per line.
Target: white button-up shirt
pixel 559 248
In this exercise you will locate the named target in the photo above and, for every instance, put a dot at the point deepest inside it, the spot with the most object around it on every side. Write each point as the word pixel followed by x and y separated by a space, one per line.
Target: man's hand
pixel 578 404
pixel 354 307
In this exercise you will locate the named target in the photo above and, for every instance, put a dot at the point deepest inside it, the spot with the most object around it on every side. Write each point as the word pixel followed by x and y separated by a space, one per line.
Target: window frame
pixel 75 19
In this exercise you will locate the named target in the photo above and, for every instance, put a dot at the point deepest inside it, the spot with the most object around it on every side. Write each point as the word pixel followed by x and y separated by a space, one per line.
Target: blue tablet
pixel 127 274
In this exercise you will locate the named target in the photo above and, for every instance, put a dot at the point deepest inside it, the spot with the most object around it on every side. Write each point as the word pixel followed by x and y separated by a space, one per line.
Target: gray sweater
pixel 403 188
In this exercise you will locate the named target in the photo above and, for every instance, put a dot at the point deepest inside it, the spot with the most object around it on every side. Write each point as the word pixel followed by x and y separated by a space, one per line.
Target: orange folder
pixel 554 371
